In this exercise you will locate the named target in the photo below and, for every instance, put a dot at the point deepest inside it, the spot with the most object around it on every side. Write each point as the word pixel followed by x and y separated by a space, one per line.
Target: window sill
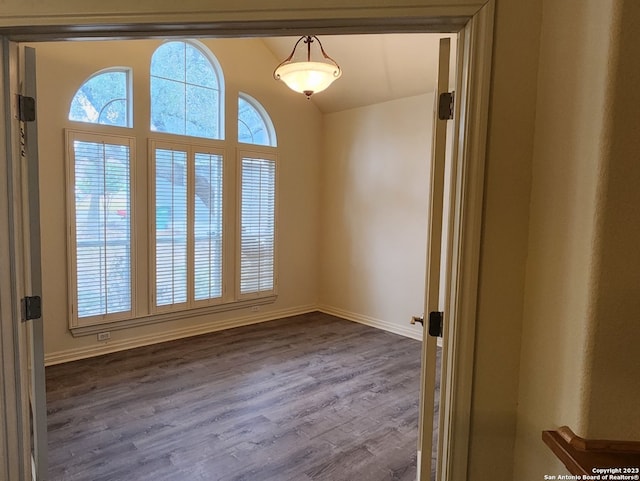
pixel 80 331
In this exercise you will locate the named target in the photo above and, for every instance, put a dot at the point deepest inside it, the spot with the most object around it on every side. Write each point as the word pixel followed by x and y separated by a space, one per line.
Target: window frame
pixel 263 153
pixel 71 136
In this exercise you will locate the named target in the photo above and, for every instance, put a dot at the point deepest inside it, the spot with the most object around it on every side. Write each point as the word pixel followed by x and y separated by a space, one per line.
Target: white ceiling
pixel 375 68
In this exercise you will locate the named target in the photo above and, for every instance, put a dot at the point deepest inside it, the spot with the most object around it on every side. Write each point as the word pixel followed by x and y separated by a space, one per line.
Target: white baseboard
pixel 115 346
pixel 414 332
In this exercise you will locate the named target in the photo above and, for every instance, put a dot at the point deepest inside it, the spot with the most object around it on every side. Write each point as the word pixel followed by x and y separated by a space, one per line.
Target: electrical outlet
pixel 255 308
pixel 104 336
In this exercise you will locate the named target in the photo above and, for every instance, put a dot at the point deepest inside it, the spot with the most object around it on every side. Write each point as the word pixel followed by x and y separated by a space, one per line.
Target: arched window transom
pixel 254 125
pixel 103 99
pixel 186 91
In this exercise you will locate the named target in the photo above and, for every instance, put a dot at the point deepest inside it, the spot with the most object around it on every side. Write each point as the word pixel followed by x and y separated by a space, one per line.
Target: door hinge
pixel 445 105
pixel 31 308
pixel 26 108
pixel 435 323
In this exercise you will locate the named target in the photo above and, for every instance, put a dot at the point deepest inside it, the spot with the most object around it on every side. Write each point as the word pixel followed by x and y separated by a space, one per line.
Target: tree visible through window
pixel 185 92
pixel 103 99
pixel 254 125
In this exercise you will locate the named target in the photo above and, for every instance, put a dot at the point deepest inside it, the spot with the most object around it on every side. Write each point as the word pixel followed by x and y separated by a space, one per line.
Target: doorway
pixel 375 168
pixel 480 90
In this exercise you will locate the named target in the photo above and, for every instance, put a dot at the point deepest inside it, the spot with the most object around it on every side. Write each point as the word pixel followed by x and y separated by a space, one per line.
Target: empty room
pixel 229 267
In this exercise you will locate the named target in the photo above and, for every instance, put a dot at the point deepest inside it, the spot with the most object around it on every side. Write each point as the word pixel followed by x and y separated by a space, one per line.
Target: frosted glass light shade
pixel 308 77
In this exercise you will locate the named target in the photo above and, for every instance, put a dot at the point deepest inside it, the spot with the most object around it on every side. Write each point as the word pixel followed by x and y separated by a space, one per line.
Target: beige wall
pixel 580 362
pixel 62 68
pixel 561 236
pixel 375 188
pixel 615 361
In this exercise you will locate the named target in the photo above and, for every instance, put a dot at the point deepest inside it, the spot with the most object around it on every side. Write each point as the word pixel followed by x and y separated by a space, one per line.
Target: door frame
pixel 473 21
pixel 471 111
pixel 15 425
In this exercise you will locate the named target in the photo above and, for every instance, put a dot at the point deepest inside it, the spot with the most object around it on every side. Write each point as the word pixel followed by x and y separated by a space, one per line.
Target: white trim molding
pixel 108 347
pixel 413 332
pixel 473 83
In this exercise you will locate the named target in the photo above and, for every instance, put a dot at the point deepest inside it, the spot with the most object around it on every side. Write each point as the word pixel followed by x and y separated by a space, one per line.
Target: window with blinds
pixel 257 225
pixel 171 227
pixel 99 171
pixel 207 196
pixel 187 260
pixel 188 226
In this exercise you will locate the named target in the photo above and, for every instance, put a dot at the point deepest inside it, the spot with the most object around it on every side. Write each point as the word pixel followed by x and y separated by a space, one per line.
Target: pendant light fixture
pixel 307 77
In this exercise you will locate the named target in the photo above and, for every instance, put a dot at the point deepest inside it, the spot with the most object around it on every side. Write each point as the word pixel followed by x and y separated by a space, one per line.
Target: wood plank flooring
pixel 309 397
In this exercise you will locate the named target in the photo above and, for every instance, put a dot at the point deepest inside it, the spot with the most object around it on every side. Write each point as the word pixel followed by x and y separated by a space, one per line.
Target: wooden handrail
pixel 585 456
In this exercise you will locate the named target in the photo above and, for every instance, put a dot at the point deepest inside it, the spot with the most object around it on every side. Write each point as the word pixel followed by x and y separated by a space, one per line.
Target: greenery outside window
pixel 185 92
pixel 254 124
pixel 104 99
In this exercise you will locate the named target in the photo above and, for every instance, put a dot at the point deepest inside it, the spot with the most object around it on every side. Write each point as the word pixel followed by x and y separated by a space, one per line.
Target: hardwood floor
pixel 310 397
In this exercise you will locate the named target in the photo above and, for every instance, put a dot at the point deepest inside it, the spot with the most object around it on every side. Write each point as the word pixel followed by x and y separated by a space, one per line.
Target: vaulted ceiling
pixel 376 67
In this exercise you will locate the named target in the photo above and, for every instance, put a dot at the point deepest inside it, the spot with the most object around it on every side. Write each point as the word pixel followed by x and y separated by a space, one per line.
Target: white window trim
pixel 267 153
pixel 230 300
pixel 70 137
pixel 145 320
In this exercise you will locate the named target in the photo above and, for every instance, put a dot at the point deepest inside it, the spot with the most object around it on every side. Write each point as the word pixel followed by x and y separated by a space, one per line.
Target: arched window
pixel 254 125
pixel 192 263
pixel 104 99
pixel 186 91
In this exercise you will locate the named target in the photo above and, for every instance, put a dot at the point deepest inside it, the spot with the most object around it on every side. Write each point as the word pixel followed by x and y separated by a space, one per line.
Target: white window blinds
pixel 257 225
pixel 207 226
pixel 188 226
pixel 100 235
pixel 171 227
